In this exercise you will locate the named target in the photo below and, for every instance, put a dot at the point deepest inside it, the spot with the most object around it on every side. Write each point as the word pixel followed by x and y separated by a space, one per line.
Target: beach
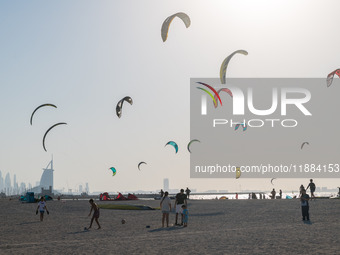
pixel 214 227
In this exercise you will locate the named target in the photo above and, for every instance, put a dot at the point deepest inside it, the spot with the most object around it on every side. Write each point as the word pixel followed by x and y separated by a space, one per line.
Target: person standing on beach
pixel 301 188
pixel 42 207
pixel 311 185
pixel 304 205
pixel 185 215
pixel 95 216
pixel 161 193
pixel 166 208
pixel 280 193
pixel 187 191
pixel 273 194
pixel 181 199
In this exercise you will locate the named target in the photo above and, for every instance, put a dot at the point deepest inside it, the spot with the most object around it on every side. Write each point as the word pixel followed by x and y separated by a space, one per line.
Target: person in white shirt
pixel 42 207
pixel 166 208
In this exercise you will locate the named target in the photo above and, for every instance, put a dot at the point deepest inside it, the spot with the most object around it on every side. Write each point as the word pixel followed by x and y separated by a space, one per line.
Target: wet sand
pixel 215 227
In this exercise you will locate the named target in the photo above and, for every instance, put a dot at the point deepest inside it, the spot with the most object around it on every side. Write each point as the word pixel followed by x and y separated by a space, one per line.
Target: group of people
pixel 273 194
pixel 180 207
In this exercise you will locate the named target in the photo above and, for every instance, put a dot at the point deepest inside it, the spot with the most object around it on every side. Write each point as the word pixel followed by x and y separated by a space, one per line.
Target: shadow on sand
pixel 207 214
pixel 30 222
pixel 166 229
pixel 78 232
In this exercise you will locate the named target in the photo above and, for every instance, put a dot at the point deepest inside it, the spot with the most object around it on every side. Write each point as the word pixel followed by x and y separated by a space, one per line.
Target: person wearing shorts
pixel 95 216
pixel 185 215
pixel 181 199
pixel 42 207
pixel 166 208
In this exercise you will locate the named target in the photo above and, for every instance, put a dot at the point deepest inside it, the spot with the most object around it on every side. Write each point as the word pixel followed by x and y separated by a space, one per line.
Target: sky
pixel 84 56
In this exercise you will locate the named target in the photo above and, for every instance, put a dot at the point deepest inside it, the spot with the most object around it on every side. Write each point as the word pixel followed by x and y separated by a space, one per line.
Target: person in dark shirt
pixel 311 185
pixel 273 194
pixel 187 191
pixel 304 205
pixel 181 199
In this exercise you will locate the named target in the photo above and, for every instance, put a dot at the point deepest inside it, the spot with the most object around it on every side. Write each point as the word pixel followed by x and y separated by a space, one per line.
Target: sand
pixel 215 227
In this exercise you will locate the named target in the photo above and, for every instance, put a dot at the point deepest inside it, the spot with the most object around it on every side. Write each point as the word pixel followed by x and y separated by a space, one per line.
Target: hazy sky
pixel 84 56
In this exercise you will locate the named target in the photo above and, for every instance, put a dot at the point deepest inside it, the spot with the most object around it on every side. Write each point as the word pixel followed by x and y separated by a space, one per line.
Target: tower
pixel 46 180
pixel 166 184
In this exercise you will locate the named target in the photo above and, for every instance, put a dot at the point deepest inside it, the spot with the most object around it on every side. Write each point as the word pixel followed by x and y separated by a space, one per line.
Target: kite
pixel 304 144
pixel 238 172
pixel 208 94
pixel 60 123
pixel 194 140
pixel 40 107
pixel 223 69
pixel 271 181
pixel 140 164
pixel 166 24
pixel 331 76
pixel 113 171
pixel 120 105
pixel 173 144
pixel 243 125
pixel 213 90
pixel 218 92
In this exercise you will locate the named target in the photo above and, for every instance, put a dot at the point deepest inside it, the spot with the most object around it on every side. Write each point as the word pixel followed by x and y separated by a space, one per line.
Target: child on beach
pixel 304 205
pixel 166 208
pixel 311 185
pixel 185 215
pixel 95 216
pixel 42 207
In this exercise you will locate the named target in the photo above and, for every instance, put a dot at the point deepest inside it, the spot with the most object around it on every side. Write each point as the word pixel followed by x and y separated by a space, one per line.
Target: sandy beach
pixel 215 227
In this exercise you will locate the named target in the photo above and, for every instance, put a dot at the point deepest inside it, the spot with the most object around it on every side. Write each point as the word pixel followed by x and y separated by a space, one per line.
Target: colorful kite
pixel 218 92
pixel 113 171
pixel 173 144
pixel 244 125
pixel 331 76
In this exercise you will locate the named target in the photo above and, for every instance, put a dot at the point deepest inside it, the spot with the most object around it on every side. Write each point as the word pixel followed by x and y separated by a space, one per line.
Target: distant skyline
pixel 84 56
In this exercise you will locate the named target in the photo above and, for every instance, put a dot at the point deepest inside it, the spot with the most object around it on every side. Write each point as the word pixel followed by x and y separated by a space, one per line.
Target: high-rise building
pixel 166 184
pixel 1 183
pixel 8 187
pixel 80 188
pixel 22 188
pixel 15 185
pixel 87 189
